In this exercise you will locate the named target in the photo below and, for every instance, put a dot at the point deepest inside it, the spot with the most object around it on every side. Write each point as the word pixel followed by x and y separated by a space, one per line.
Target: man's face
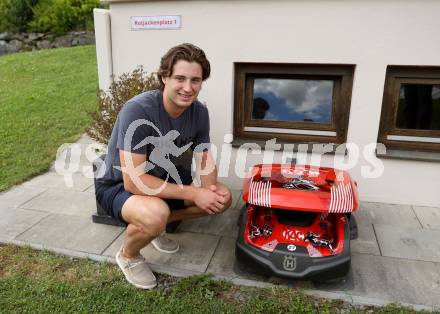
pixel 183 86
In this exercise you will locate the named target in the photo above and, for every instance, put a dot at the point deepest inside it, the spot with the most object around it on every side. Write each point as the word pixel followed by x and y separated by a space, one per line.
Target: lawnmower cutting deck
pixel 296 221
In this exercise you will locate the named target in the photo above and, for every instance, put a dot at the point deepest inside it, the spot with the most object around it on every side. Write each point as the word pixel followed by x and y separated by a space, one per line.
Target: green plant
pixel 59 16
pixel 42 282
pixel 16 14
pixel 110 103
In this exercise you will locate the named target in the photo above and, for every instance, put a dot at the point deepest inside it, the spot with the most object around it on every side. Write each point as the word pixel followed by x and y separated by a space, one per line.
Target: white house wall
pixel 369 34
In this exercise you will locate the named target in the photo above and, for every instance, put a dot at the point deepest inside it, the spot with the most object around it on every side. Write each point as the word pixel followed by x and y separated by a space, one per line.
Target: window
pixel 410 118
pixel 301 103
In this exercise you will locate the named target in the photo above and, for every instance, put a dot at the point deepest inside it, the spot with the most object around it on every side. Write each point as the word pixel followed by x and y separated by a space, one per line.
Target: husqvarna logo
pixel 289 263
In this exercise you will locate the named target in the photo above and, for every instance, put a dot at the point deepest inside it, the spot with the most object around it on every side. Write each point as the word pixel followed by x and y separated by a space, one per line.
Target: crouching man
pixel 147 182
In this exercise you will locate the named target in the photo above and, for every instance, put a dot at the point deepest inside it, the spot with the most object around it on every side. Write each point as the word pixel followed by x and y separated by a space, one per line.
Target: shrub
pixel 3 16
pixel 60 16
pixel 110 103
pixel 16 14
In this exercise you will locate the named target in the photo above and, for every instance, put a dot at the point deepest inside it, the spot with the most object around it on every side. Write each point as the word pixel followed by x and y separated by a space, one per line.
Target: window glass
pixel 293 100
pixel 419 107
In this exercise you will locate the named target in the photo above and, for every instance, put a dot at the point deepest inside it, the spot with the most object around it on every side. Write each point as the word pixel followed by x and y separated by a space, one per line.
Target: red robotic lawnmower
pixel 297 221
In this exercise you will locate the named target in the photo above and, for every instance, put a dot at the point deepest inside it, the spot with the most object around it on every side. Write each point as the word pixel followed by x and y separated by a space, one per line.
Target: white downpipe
pixel 103 47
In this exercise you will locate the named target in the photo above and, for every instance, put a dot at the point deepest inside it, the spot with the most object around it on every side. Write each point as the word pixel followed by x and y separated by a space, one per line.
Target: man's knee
pixel 155 217
pixel 151 215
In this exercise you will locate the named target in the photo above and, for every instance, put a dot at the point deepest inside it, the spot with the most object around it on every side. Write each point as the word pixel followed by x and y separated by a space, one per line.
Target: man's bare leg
pixel 189 212
pixel 146 217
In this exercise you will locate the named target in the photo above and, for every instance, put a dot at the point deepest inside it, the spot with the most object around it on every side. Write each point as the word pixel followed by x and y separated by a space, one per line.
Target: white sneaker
pixel 136 271
pixel 164 244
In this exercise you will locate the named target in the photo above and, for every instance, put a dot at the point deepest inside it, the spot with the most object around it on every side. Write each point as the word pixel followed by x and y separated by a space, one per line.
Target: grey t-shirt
pixel 144 127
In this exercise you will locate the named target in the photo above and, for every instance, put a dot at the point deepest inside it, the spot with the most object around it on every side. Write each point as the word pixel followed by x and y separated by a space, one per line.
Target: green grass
pixel 44 100
pixel 41 282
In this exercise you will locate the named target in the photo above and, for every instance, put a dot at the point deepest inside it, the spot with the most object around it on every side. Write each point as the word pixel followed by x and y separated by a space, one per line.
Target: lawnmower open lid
pixel 301 187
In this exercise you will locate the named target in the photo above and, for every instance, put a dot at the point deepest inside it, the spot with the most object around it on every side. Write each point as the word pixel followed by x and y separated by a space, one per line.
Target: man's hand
pixel 224 192
pixel 209 200
pixel 219 189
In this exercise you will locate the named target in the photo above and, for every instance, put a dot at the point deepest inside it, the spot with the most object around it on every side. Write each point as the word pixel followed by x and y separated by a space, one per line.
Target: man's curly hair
pixel 187 52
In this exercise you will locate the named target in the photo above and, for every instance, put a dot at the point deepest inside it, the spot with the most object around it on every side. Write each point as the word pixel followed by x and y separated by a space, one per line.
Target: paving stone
pixel 236 197
pixel 409 243
pixel 18 195
pixel 366 241
pixel 64 202
pixel 71 232
pixel 389 279
pixel 15 221
pixel 339 284
pixel 429 216
pixel 396 280
pixel 386 214
pixel 224 224
pixel 196 251
pixel 222 263
pixel 53 180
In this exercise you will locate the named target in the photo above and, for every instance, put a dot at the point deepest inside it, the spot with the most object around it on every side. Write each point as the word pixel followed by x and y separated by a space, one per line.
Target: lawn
pixel 45 97
pixel 41 282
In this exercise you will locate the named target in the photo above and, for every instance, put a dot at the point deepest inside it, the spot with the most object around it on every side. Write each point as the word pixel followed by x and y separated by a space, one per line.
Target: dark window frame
pixel 395 76
pixel 341 75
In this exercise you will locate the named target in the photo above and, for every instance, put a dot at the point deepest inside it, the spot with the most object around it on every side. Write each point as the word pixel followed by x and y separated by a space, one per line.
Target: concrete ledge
pixel 309 148
pixel 409 155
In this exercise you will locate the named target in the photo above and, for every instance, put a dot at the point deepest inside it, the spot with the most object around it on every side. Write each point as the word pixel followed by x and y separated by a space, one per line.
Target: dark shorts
pixel 112 197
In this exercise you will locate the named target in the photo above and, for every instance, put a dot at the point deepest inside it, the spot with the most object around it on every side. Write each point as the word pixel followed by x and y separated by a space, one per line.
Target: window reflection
pixel 419 107
pixel 293 100
pixel 260 106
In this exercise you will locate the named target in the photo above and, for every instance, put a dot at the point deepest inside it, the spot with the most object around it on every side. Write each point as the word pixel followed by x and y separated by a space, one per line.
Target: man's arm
pixel 206 168
pixel 140 183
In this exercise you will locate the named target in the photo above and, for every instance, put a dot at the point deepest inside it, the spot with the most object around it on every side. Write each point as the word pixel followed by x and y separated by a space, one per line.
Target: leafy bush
pixel 3 16
pixel 110 103
pixel 16 14
pixel 59 16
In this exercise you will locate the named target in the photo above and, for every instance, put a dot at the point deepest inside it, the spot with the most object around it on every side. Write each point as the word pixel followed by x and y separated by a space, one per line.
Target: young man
pixel 147 182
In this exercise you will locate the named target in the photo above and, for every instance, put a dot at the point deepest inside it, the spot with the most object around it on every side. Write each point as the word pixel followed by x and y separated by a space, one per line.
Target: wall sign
pixel 156 22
